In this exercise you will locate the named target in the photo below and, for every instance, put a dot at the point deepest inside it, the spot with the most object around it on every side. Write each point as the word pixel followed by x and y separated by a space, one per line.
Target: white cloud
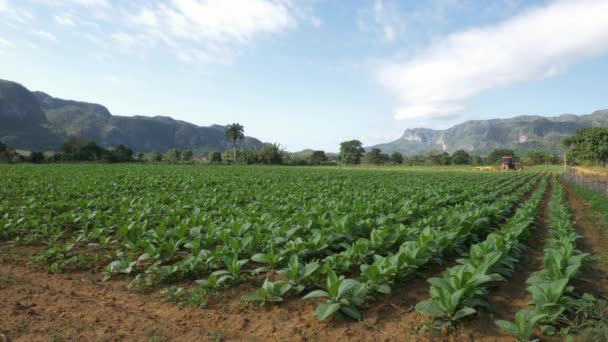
pixel 66 3
pixel 129 41
pixel 45 35
pixel 4 43
pixel 382 19
pixel 536 44
pixel 64 20
pixel 212 29
pixel 3 5
pixel 217 20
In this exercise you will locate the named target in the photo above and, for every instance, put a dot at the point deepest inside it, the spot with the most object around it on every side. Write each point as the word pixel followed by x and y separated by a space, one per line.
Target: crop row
pixel 461 289
pixel 429 244
pixel 222 224
pixel 550 287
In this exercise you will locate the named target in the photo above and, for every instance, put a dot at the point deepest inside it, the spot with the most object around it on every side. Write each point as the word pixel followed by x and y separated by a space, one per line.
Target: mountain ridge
pixel 35 120
pixel 521 133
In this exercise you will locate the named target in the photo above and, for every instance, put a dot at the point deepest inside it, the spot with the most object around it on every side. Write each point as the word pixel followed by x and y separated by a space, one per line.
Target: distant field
pixel 227 238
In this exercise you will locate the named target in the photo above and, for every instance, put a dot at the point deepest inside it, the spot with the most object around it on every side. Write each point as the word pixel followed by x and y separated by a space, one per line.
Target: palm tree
pixel 234 133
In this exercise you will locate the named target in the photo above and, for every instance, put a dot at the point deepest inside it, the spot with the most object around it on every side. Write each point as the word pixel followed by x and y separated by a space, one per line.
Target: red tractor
pixel 509 165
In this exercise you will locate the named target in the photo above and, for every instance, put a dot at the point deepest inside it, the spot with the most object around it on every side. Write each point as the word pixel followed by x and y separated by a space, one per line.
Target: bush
pixel 215 157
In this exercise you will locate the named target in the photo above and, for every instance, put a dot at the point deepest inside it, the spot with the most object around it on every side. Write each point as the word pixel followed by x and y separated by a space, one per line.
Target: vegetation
pixel 539 157
pixel 215 157
pixel 461 157
pixel 551 287
pixel 460 290
pixel 397 157
pixel 318 158
pixel 597 201
pixel 235 132
pixel 336 221
pixel 351 152
pixel 588 145
pixel 376 157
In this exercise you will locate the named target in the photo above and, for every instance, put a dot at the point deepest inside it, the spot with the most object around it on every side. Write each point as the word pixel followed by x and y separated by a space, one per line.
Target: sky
pixel 313 73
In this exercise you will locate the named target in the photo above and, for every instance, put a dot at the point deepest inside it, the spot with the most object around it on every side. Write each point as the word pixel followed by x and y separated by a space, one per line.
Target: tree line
pixel 588 146
pixel 353 153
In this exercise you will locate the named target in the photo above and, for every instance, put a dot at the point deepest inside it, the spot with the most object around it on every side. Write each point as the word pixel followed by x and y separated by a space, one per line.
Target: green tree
pixel 248 156
pixel 2 147
pixel 476 159
pixel 445 159
pixel 215 157
pixel 397 157
pixel 318 157
pixel 434 157
pixel 351 152
pixel 80 149
pixel 588 144
pixel 173 155
pixel 537 157
pixel 375 156
pixel 187 155
pixel 461 157
pixel 234 133
pixel 272 154
pixel 36 157
pixel 91 152
pixel 156 156
pixel 119 154
pixel 123 153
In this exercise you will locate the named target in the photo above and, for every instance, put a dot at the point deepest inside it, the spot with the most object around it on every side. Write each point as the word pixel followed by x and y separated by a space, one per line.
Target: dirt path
pixel 594 241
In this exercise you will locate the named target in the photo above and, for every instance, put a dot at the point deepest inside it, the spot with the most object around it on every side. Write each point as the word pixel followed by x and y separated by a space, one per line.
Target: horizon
pixel 366 71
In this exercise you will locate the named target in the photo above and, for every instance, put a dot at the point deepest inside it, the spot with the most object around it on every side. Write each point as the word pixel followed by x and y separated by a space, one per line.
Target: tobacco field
pixel 342 240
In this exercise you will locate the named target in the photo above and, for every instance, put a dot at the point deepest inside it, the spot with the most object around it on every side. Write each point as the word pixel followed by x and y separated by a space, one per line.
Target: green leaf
pixel 260 257
pixel 430 308
pixel 384 289
pixel 352 312
pixel 508 327
pixel 316 294
pixel 325 310
pixel 463 313
pixel 346 286
pixel 548 330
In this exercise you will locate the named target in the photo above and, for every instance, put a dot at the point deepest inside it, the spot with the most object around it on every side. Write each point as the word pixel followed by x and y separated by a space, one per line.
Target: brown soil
pixel 594 234
pixel 38 306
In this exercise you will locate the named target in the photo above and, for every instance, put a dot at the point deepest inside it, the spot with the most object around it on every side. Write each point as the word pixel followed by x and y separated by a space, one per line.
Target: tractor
pixel 509 165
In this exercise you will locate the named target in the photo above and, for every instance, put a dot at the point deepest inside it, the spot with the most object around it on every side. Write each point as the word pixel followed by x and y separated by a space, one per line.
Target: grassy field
pixel 344 241
pixel 597 201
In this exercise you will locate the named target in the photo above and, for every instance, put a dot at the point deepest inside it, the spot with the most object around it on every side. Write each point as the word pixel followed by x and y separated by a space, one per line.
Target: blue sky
pixel 312 73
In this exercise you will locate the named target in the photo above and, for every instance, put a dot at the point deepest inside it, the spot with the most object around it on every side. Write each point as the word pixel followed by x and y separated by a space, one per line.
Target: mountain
pixel 38 121
pixel 520 133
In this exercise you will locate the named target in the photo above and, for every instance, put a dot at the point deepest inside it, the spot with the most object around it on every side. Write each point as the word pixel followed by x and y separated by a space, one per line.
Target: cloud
pixel 536 44
pixel 64 20
pixel 211 29
pixel 4 43
pixel 45 35
pixel 67 3
pixel 13 16
pixel 382 19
